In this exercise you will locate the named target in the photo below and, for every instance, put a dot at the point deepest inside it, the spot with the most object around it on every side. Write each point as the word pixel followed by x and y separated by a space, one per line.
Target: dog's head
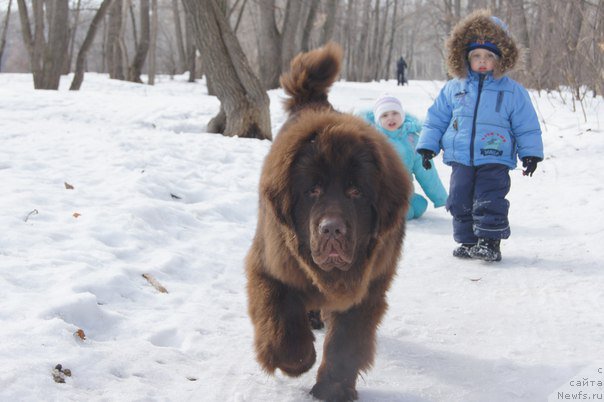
pixel 335 186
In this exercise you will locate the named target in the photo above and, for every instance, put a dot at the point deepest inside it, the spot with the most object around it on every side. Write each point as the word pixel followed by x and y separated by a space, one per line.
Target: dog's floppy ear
pixel 275 180
pixel 279 201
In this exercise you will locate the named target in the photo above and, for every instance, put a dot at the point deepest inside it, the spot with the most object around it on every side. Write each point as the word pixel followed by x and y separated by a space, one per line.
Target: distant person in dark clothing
pixel 400 71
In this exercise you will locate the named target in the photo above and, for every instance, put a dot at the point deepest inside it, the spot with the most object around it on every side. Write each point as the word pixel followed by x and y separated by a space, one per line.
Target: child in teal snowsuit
pixel 402 131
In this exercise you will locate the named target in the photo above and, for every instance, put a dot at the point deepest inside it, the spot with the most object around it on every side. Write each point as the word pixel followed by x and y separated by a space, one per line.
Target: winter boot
pixel 463 251
pixel 486 250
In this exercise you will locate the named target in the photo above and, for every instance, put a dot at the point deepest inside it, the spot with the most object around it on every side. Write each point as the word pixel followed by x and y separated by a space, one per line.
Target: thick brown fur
pixel 331 221
pixel 479 26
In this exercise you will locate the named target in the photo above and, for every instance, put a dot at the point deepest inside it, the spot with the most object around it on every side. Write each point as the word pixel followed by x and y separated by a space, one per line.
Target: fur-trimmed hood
pixel 480 26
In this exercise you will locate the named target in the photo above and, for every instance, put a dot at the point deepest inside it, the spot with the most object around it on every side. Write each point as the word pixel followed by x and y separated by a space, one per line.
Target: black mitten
pixel 426 156
pixel 530 163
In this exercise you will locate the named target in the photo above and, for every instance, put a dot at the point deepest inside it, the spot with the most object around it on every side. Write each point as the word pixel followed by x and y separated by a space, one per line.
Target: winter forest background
pixel 563 39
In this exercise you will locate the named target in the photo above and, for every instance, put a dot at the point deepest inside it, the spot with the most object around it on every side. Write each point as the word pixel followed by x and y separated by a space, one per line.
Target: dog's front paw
pixel 294 363
pixel 334 391
pixel 293 356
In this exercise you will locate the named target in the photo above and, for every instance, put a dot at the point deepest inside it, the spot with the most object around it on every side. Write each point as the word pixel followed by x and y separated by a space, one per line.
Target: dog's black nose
pixel 332 227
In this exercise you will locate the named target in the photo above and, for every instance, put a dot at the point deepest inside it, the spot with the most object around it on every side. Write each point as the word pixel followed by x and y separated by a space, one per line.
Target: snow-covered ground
pixel 153 194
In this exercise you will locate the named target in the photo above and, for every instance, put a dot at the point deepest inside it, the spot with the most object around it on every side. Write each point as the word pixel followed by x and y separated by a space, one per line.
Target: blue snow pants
pixel 417 207
pixel 477 202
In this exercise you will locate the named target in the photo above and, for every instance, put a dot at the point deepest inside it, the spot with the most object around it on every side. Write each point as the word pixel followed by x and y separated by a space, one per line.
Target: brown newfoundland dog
pixel 333 199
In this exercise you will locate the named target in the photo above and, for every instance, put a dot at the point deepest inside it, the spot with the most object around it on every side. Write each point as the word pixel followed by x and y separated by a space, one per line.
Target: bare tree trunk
pixel 269 53
pixel 134 72
pixel 448 15
pixel 391 41
pixel 244 103
pixel 598 49
pixel 153 43
pixel 363 42
pixel 46 58
pixel 190 46
pixel 495 7
pixel 373 51
pixel 182 57
pixel 330 21
pixel 78 76
pixel 4 31
pixel 574 19
pixel 380 48
pixel 104 46
pixel 544 74
pixel 288 34
pixel 376 51
pixel 58 42
pixel 130 12
pixel 310 20
pixel 72 41
pixel 114 49
pixel 236 27
pixel 34 42
pixel 522 31
pixel 350 35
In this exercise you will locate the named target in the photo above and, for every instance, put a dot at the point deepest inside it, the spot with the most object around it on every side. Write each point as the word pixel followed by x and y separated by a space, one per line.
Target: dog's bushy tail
pixel 310 76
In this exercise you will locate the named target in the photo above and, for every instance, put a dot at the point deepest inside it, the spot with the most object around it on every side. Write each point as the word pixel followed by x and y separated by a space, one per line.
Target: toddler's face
pixel 482 61
pixel 391 120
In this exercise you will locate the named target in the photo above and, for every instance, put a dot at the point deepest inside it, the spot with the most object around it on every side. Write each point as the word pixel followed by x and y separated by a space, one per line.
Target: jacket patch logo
pixel 461 94
pixel 461 97
pixel 492 144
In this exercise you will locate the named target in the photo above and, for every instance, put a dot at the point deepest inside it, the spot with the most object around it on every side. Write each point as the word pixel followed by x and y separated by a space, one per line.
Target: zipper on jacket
pixel 480 82
pixel 499 101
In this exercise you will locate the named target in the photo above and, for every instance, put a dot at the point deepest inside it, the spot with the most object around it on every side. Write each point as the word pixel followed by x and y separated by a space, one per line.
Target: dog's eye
pixel 353 192
pixel 315 191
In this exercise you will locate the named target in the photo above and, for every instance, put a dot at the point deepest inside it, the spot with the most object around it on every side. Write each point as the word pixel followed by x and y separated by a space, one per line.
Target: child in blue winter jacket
pixel 483 121
pixel 402 131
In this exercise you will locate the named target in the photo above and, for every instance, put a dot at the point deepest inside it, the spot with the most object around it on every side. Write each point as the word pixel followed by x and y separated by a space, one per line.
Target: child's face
pixel 482 61
pixel 391 120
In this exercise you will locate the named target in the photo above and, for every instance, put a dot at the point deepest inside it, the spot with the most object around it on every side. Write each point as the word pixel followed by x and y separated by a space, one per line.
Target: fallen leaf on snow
pixel 80 335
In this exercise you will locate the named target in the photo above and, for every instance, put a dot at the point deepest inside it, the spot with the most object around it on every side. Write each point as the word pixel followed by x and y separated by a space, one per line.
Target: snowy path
pixel 155 196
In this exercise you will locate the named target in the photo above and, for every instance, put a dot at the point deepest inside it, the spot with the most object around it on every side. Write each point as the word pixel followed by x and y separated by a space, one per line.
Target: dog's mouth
pixel 332 255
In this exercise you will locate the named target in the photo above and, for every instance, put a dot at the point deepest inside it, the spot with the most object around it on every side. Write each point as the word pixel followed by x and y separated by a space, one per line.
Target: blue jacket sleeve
pixel 367 115
pixel 437 122
pixel 430 182
pixel 525 125
pixel 411 124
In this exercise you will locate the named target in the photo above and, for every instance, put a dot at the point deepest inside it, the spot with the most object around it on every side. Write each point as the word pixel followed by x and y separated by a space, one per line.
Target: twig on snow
pixel 155 283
